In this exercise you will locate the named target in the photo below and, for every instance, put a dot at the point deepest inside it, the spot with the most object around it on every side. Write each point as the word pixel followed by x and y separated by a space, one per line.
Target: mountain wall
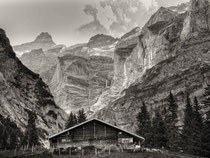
pixel 172 53
pixel 79 79
pixel 22 91
pixel 76 75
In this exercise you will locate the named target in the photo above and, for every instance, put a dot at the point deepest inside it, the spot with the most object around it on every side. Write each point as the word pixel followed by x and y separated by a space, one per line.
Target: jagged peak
pixel 44 37
pixel 162 14
pixel 100 40
pixel 101 36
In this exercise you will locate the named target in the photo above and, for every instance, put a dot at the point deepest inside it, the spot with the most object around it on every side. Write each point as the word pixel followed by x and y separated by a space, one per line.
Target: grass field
pixel 10 154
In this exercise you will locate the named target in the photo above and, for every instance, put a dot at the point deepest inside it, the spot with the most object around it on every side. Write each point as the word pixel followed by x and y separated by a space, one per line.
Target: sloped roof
pixel 133 134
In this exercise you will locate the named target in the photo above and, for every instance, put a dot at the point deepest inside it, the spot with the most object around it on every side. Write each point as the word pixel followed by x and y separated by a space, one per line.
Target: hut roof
pixel 95 119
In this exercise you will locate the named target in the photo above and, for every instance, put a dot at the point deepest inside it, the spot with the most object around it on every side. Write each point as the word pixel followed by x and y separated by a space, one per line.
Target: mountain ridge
pixel 22 90
pixel 171 57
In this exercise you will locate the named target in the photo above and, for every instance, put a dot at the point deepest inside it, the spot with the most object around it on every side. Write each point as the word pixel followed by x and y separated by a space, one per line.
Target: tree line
pixel 75 119
pixel 163 129
pixel 11 137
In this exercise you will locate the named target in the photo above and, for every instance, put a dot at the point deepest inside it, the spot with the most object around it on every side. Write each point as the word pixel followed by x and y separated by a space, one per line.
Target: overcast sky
pixel 23 20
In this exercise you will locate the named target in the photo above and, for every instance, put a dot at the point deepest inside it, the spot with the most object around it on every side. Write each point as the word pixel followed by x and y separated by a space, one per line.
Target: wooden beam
pixel 105 131
pixel 94 126
pixel 83 132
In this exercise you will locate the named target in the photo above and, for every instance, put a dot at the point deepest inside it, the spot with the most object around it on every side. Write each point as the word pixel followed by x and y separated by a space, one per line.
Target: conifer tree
pixel 31 134
pixel 144 125
pixel 72 120
pixel 197 128
pixel 75 120
pixel 4 141
pixel 171 120
pixel 160 138
pixel 81 116
pixel 13 140
pixel 206 131
pixel 187 132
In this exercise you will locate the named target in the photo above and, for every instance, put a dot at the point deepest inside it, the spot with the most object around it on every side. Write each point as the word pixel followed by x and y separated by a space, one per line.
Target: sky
pixel 23 20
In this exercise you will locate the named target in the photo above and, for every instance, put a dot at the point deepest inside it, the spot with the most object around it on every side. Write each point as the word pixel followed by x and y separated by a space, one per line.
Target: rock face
pixel 76 75
pixel 43 41
pixel 172 53
pixel 81 75
pixel 78 81
pixel 21 91
pixel 42 62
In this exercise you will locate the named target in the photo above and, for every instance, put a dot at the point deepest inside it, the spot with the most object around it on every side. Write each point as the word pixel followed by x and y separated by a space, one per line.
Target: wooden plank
pixel 83 132
pixel 105 130
pixel 94 126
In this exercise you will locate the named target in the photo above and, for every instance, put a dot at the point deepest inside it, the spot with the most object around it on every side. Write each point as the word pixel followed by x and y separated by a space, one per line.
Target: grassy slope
pixel 113 155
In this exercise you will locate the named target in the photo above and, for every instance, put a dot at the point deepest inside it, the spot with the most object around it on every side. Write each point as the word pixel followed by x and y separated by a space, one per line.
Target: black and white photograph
pixel 104 78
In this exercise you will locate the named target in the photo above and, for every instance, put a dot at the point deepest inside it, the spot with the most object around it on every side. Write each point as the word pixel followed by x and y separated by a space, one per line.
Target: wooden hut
pixel 96 133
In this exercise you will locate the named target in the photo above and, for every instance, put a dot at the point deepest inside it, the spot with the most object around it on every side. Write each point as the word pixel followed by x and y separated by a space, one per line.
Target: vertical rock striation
pixel 172 53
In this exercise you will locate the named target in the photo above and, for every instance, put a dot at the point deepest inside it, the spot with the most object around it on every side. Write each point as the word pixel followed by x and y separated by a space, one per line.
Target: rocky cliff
pixel 172 53
pixel 83 73
pixel 43 41
pixel 76 75
pixel 22 91
pixel 42 61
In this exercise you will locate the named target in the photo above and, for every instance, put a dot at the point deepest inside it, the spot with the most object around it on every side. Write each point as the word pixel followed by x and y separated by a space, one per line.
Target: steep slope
pixel 43 41
pixel 172 53
pixel 42 62
pixel 22 91
pixel 79 80
pixel 76 75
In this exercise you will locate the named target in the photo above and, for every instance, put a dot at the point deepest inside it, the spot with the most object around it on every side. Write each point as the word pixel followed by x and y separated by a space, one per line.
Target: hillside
pixel 172 53
pixel 23 92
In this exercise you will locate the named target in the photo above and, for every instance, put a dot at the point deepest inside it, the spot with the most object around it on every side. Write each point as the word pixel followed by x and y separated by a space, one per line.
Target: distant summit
pixel 44 37
pixel 43 41
pixel 101 40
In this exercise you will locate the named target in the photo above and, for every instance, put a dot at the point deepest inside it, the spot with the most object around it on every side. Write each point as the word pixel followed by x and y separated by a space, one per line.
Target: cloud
pixel 90 10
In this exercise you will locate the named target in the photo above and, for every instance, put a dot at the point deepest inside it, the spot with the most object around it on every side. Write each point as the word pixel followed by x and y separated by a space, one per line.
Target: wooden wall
pixel 91 133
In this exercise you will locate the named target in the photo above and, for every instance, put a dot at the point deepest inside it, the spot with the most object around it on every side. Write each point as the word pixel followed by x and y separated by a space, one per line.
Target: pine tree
pixel 13 140
pixel 187 132
pixel 81 117
pixel 72 120
pixel 4 141
pixel 75 120
pixel 206 129
pixel 31 134
pixel 171 120
pixel 197 129
pixel 144 125
pixel 160 138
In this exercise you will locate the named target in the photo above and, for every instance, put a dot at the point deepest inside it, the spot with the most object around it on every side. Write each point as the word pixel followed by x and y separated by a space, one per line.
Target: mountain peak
pixel 43 40
pixel 162 15
pixel 44 37
pixel 101 40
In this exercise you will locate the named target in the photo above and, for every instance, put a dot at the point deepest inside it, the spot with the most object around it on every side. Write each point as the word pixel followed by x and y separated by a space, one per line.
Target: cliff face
pixel 78 80
pixel 42 62
pixel 76 75
pixel 172 53
pixel 21 91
